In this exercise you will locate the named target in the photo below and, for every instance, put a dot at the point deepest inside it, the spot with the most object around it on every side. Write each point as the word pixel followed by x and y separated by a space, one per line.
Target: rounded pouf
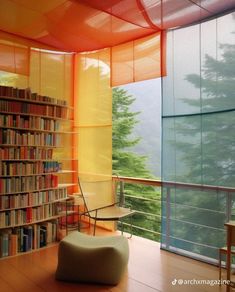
pixel 92 259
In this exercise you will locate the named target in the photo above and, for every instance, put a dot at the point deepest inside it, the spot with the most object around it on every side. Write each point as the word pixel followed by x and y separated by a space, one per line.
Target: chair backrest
pixel 95 194
pixel 83 197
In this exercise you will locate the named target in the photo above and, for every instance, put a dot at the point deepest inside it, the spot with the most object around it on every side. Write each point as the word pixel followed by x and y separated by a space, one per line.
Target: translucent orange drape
pixel 88 25
pixel 138 60
pixel 14 58
pixel 130 62
pixel 93 119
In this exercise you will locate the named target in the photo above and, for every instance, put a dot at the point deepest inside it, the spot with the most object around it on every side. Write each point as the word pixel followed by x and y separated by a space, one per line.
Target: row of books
pixel 18 107
pixel 29 122
pixel 9 91
pixel 25 152
pixel 28 168
pixel 23 239
pixel 32 199
pixel 27 183
pixel 14 137
pixel 11 218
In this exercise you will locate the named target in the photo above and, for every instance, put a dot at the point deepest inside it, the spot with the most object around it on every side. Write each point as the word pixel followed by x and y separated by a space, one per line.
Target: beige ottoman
pixel 92 259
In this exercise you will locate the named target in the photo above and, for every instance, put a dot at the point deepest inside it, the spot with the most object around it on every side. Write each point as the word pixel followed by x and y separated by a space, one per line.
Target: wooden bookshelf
pixel 30 193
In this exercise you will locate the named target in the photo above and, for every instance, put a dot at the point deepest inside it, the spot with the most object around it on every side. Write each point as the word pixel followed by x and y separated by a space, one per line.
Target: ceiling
pixel 87 25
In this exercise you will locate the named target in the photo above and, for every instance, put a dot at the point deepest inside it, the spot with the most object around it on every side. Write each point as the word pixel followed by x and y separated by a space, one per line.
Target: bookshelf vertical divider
pixel 30 192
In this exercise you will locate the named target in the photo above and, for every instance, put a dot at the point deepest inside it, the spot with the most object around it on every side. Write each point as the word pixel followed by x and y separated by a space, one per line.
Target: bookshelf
pixel 31 194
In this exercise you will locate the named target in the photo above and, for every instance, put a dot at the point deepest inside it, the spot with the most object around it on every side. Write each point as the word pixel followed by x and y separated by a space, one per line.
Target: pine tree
pixel 127 163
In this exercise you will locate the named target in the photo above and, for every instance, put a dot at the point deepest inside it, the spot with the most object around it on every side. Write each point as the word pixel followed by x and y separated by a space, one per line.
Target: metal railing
pixel 195 204
pixel 145 202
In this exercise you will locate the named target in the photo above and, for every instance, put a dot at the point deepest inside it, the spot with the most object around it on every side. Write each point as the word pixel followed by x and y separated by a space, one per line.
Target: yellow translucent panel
pixel 95 152
pixel 52 75
pixel 68 79
pixel 93 88
pixel 35 67
pixel 93 119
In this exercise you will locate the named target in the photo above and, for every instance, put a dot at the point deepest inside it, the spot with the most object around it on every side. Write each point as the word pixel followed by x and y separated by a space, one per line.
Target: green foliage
pixel 145 199
pixel 123 120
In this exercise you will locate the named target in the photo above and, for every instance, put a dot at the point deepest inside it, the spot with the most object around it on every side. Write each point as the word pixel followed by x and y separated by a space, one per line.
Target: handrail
pixel 171 184
pixel 136 180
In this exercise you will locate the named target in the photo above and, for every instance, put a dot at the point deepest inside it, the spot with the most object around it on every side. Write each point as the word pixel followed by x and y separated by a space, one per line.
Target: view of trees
pixel 207 152
pixel 145 199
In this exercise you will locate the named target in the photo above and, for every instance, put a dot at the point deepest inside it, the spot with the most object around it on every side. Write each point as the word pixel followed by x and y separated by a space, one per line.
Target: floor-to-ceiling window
pixel 198 146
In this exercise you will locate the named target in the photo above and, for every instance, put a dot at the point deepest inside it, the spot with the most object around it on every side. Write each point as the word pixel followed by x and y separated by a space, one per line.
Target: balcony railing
pixel 188 217
pixel 143 196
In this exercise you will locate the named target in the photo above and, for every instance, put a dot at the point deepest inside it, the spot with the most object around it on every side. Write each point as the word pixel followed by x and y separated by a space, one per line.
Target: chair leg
pixel 94 228
pixel 79 222
pixel 131 227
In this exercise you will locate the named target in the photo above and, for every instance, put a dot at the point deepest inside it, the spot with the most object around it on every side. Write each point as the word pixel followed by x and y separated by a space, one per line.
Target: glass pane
pixel 198 138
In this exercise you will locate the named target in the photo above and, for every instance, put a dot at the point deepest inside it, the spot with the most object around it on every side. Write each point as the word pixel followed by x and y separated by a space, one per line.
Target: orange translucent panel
pixel 122 64
pixel 131 11
pixel 14 59
pixel 67 25
pixel 86 25
pixel 84 28
pixel 48 73
pixel 137 60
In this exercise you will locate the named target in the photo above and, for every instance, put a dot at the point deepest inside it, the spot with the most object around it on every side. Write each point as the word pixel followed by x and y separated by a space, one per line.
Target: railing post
pixel 122 196
pixel 168 216
pixel 114 189
pixel 228 206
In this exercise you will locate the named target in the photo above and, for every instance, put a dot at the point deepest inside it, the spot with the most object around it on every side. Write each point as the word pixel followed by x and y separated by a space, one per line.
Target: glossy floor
pixel 150 269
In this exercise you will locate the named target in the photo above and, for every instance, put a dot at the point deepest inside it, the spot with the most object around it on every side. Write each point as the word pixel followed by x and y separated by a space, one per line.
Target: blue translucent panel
pixel 198 138
pixel 186 58
pixel 188 149
pixel 168 149
pixel 193 220
pixel 218 149
pixel 217 64
pixel 168 104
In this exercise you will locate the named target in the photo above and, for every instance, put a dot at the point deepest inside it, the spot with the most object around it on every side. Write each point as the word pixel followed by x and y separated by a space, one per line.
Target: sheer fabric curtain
pixel 198 136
